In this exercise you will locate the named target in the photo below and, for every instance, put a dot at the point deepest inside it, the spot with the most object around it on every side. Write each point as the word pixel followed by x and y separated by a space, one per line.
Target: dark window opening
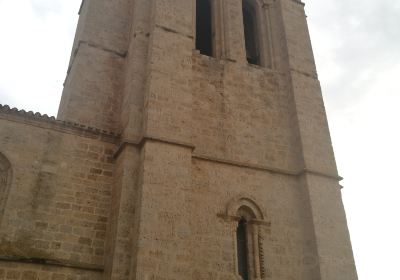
pixel 204 27
pixel 241 237
pixel 250 33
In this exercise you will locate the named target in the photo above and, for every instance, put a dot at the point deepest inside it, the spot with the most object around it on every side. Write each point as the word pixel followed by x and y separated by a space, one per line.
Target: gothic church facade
pixel 191 143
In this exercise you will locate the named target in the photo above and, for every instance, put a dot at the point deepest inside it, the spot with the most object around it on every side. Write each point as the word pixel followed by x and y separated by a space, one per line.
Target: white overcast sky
pixel 357 49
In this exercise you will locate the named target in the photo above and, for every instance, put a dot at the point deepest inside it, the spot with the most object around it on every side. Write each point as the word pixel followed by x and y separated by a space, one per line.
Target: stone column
pixel 256 252
pixel 266 40
pixel 235 43
pixel 219 28
pixel 123 223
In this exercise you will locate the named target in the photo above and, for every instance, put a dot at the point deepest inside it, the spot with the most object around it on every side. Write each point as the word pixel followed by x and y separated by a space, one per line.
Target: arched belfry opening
pixel 204 30
pixel 251 32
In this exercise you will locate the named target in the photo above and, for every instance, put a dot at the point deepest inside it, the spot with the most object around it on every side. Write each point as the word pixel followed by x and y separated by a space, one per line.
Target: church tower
pixel 197 129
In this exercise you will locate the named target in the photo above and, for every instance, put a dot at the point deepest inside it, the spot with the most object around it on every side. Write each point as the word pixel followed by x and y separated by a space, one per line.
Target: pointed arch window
pixel 204 27
pixel 251 32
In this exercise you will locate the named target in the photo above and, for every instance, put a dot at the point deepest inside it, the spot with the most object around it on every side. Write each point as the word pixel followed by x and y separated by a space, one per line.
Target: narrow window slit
pixel 242 254
pixel 204 42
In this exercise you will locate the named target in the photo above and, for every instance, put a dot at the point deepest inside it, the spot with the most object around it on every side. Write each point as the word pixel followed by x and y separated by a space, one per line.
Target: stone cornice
pixel 22 113
pixel 44 121
pixel 295 173
pixel 49 122
pixel 95 46
pixel 269 169
pixel 141 140
pixel 313 75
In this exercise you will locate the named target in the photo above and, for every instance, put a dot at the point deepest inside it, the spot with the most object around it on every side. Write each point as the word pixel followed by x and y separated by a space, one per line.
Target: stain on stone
pixel 42 192
pixel 21 248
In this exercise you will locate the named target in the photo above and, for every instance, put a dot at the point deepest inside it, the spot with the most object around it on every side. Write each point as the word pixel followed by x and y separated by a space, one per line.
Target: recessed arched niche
pixel 247 220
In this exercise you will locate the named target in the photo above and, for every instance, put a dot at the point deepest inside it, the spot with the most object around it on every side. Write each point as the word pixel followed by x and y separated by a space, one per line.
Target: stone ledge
pixel 45 121
pixel 53 262
pixel 295 173
pixel 313 75
pixel 244 165
pixel 95 46
pixel 170 30
pixel 142 140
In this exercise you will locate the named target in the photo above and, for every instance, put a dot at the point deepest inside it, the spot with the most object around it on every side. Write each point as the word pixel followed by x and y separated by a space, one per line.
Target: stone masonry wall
pixel 95 75
pixel 218 128
pixel 18 271
pixel 181 234
pixel 196 134
pixel 288 241
pixel 241 114
pixel 57 209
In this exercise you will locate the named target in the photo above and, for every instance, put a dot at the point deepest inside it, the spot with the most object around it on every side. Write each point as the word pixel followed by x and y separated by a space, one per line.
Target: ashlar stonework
pixel 191 143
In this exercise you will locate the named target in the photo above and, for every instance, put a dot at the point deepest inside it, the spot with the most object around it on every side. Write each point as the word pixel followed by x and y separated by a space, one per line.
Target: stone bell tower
pixel 223 167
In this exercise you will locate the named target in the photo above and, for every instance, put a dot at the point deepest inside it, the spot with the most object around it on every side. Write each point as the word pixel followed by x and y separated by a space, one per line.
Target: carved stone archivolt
pixel 246 208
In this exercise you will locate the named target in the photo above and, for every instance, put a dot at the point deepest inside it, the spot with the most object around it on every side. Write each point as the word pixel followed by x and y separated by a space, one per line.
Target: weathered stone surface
pixel 159 151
